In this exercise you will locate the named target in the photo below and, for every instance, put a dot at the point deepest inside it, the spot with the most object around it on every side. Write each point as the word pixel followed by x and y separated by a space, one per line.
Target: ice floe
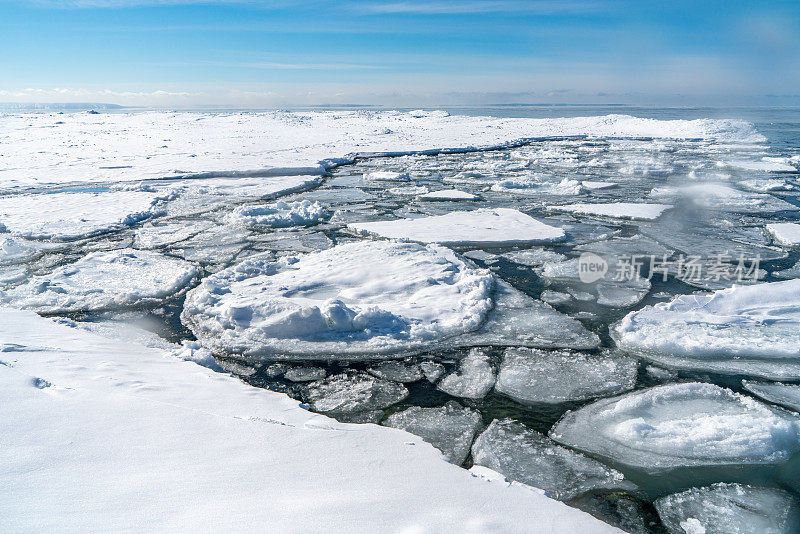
pixel 533 376
pixel 532 458
pixel 787 234
pixel 498 226
pixel 787 395
pixel 450 428
pixel 353 393
pixel 681 425
pixel 449 194
pixel 474 378
pixel 106 280
pixel 728 509
pixel 280 214
pixel 716 196
pixel 68 216
pixel 617 210
pixel 745 329
pixel 526 186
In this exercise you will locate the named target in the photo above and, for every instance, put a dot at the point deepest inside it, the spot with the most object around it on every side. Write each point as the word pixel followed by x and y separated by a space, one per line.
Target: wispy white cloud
pixel 480 6
pixel 307 66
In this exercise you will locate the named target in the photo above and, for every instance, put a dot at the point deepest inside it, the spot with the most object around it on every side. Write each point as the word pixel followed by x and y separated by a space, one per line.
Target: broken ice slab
pixel 527 456
pixel 787 395
pixel 350 393
pixel 474 378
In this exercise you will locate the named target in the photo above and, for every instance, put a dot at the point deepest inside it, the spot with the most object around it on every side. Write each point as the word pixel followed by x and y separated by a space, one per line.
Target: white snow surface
pixel 280 214
pixel 140 437
pixel 51 147
pixel 617 210
pixel 104 281
pixel 751 329
pixel 371 296
pixel 686 424
pixel 67 216
pixel 449 194
pixel 496 226
pixel 787 234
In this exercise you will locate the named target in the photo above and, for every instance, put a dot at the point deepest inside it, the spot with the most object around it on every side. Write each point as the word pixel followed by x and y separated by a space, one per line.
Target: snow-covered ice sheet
pixel 532 458
pixel 787 234
pixel 280 214
pixel 482 227
pixel 678 425
pixel 105 281
pixel 729 509
pixel 157 441
pixel 53 147
pixel 533 376
pixel 616 210
pixel 67 216
pixel 742 330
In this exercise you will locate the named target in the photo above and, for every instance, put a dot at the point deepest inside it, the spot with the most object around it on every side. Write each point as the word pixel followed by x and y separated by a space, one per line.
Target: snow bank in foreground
pixel 497 226
pixel 133 146
pixel 618 210
pixel 157 441
pixel 105 280
pixel 66 216
pixel 280 214
pixel 675 425
pixel 375 297
pixel 745 329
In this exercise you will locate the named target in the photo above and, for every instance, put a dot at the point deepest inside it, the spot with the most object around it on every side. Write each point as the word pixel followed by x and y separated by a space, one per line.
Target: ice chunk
pixel 791 272
pixel 728 509
pixel 68 216
pixel 352 393
pixel 617 210
pixel 449 194
pixel 474 379
pixel 498 226
pixel 533 376
pixel 784 394
pixel 722 197
pixel 555 297
pixel 767 185
pixel 787 234
pixel 409 191
pixel 354 300
pixel 397 371
pixel 104 281
pixel 596 185
pixel 745 329
pixel 152 236
pixel 533 257
pixel 305 374
pixel 432 371
pixel 527 186
pixel 280 214
pixel 678 425
pixel 450 428
pixel 14 250
pixel 388 176
pixel 766 164
pixel 532 458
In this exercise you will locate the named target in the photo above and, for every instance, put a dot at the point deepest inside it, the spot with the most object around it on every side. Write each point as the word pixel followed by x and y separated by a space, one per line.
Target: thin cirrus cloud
pixel 479 6
pixel 308 66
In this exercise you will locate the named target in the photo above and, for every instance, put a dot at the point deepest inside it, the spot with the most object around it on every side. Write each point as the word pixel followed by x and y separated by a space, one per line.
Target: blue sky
pixel 286 53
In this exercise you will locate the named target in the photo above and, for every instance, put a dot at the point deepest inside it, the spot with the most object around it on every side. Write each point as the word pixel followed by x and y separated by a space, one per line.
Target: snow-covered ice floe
pixel 787 395
pixel 105 281
pixel 729 509
pixel 366 300
pixel 616 210
pixel 716 196
pixel 280 214
pixel 787 234
pixel 527 456
pixel 751 330
pixel 121 426
pixel 448 194
pixel 69 216
pixel 534 376
pixel 482 227
pixel 681 425
pixel 85 147
pixel 526 186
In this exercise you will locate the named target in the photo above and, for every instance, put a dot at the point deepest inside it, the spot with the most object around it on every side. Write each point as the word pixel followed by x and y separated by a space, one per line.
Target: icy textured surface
pixel 716 196
pixel 498 226
pixel 533 376
pixel 106 280
pixel 305 374
pixel 526 186
pixel 353 393
pixel 66 216
pixel 532 458
pixel 14 250
pixel 474 378
pixel 280 214
pixel 784 394
pixel 449 194
pixel 362 298
pixel 534 257
pixel 787 234
pixel 397 371
pixel 746 329
pixel 450 428
pixel 674 425
pixel 147 425
pixel 728 509
pixel 617 210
